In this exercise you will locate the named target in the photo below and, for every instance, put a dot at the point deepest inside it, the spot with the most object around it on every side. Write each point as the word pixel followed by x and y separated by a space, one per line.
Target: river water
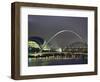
pixel 61 61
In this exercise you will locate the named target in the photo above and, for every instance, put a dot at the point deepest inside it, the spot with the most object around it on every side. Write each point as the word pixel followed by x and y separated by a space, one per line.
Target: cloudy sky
pixel 46 26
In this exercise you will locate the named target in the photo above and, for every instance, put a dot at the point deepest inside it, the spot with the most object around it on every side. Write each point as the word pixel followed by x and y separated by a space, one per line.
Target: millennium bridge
pixel 55 51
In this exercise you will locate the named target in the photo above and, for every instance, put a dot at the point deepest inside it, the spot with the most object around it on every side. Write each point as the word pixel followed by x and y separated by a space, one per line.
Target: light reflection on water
pixel 59 61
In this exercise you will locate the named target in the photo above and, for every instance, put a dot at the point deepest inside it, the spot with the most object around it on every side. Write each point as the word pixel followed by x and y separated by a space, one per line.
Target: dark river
pixel 61 61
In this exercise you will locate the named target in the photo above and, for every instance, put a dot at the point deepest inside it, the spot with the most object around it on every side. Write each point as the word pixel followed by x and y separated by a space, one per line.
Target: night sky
pixel 46 26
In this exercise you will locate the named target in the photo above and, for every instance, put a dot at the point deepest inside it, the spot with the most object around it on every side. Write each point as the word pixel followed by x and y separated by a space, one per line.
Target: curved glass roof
pixel 33 44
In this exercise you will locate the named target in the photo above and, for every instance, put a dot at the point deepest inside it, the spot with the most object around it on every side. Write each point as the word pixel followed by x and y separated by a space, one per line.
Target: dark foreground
pixel 59 61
